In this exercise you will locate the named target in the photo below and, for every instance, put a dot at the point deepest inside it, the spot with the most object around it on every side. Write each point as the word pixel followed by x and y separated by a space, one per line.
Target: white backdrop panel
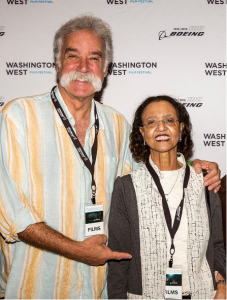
pixel 177 47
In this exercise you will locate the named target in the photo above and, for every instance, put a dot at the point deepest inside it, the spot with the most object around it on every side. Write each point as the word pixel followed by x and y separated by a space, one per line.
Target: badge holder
pixel 93 220
pixel 173 288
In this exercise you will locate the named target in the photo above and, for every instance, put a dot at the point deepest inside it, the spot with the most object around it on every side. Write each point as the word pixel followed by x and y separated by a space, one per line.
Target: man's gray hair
pixel 86 22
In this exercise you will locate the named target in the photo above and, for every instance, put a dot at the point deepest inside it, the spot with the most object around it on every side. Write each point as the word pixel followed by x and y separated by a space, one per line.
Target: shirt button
pixel 85 197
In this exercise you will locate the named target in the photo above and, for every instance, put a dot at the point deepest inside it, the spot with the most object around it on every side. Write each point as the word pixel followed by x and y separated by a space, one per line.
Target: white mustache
pixel 87 77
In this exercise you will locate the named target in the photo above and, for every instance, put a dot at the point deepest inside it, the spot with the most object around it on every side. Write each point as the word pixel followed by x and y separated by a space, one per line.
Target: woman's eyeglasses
pixel 166 122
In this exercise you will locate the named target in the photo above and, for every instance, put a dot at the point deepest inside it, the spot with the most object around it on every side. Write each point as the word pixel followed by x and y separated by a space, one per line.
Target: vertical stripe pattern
pixel 42 179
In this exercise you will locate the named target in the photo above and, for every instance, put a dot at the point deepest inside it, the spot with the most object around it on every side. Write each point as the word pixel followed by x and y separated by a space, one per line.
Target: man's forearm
pixel 91 251
pixel 44 237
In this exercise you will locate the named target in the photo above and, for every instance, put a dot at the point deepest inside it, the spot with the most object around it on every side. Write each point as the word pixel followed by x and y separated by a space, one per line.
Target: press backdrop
pixel 173 47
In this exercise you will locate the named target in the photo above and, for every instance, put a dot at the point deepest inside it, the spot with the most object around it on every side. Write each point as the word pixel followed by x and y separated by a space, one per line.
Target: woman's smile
pixel 162 138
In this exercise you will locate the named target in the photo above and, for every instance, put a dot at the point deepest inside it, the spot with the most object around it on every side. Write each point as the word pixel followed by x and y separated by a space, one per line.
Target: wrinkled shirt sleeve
pixel 16 209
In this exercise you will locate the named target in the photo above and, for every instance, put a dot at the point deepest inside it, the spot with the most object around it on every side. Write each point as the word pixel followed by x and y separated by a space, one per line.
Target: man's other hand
pixel 212 179
pixel 95 252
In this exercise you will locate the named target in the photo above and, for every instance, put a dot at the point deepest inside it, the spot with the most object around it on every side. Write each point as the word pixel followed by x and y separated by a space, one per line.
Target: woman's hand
pixel 221 291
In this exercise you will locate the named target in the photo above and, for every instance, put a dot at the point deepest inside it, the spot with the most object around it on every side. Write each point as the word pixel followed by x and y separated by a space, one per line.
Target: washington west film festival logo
pixel 215 69
pixel 24 68
pixel 124 68
pixel 17 2
pixel 22 2
pixel 117 2
pixel 214 139
pixel 216 1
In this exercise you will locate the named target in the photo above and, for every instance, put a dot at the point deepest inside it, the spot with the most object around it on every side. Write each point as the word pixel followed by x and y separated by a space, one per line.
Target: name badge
pixel 93 220
pixel 173 289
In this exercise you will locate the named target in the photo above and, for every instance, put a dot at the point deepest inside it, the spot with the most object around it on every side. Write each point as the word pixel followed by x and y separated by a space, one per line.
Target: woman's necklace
pixel 167 194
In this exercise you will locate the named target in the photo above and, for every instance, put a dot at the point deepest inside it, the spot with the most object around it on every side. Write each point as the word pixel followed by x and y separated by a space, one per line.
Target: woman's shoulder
pixel 133 173
pixel 196 183
pixel 126 179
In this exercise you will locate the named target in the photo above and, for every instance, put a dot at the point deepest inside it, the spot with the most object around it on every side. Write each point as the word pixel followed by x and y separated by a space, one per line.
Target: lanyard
pixel 177 220
pixel 77 144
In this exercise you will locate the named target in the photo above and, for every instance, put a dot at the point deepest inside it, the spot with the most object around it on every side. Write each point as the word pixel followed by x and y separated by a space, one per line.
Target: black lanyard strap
pixel 177 220
pixel 76 142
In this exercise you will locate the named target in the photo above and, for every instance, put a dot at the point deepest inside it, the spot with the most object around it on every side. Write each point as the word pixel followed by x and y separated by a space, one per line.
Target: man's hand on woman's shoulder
pixel 212 179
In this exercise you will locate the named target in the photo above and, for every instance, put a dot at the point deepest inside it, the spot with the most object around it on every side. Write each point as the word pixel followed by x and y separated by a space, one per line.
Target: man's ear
pixel 56 66
pixel 106 71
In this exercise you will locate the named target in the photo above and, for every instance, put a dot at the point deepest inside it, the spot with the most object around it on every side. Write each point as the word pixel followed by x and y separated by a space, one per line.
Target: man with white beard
pixel 59 156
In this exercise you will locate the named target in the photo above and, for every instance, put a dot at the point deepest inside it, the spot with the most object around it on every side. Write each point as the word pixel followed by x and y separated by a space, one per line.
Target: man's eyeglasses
pixel 166 122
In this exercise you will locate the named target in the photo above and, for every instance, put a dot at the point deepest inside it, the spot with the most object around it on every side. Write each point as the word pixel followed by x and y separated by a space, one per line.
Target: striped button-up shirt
pixel 43 179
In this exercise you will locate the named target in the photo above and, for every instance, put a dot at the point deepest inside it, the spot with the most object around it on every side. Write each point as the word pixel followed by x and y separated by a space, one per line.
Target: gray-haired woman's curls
pixel 141 152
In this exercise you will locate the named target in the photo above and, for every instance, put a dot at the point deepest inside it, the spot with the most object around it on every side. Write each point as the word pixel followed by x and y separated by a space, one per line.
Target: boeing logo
pixel 162 35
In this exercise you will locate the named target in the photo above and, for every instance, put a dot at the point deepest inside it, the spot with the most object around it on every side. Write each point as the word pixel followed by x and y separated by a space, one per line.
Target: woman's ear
pixel 181 127
pixel 141 131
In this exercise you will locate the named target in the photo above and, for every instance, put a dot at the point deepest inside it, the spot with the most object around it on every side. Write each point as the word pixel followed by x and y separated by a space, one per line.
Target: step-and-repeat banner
pixel 173 47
